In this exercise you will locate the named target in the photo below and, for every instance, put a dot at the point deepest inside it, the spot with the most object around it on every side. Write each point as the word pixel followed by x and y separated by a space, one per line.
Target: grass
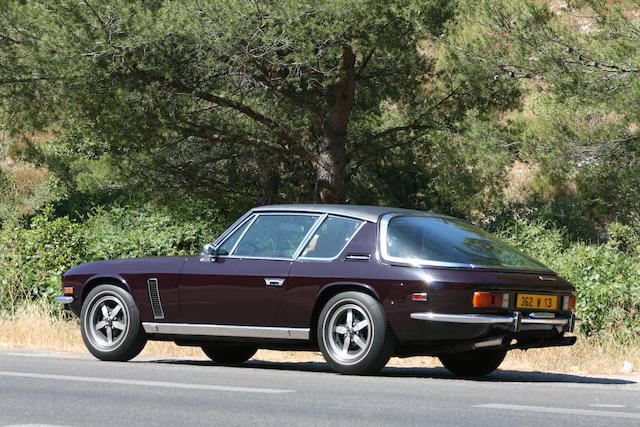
pixel 33 328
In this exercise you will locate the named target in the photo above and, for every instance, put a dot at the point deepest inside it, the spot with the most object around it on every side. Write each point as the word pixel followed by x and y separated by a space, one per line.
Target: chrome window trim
pixel 255 257
pixel 416 262
pixel 318 259
pixel 235 245
pixel 226 330
pixel 309 235
pixel 232 229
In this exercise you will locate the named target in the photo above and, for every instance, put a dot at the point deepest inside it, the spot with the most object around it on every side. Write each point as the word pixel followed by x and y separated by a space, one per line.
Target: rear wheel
pixel 232 354
pixel 110 324
pixel 473 363
pixel 353 334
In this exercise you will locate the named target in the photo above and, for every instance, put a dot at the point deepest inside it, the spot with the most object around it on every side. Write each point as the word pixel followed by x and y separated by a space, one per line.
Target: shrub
pixel 33 257
pixel 606 276
pixel 128 232
pixel 34 254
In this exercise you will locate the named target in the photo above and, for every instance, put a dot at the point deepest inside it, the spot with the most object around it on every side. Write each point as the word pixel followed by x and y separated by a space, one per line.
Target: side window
pixel 228 244
pixel 331 237
pixel 275 236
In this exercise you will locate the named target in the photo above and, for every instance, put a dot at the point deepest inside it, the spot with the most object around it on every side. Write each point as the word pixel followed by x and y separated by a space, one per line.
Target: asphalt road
pixel 47 389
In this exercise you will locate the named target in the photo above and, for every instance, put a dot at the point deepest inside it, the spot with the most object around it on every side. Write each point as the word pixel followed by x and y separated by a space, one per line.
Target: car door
pixel 244 284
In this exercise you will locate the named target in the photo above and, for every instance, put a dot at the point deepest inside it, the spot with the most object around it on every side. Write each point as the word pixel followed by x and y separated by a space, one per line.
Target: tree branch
pixel 265 78
pixel 213 135
pixel 289 144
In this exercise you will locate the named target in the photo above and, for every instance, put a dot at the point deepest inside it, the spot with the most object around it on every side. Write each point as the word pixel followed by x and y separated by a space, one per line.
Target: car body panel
pixel 231 291
pixel 132 274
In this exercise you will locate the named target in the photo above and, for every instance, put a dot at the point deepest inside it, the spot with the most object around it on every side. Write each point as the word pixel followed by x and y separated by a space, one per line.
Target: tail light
pixel 568 302
pixel 490 299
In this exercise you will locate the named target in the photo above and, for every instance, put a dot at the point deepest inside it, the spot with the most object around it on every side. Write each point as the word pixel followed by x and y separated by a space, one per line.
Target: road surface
pixel 39 388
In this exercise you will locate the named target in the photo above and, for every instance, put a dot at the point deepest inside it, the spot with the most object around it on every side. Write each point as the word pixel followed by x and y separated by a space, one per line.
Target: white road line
pixel 143 383
pixel 571 411
pixel 44 355
pixel 606 405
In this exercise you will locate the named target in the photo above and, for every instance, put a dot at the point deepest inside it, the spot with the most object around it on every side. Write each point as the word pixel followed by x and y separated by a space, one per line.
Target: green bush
pixel 33 257
pixel 35 253
pixel 125 232
pixel 606 276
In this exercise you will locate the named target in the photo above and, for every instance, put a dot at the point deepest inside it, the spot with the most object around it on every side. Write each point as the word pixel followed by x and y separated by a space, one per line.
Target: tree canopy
pixel 324 101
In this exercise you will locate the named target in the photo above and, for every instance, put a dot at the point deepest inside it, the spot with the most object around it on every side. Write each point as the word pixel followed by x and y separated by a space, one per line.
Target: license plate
pixel 537 302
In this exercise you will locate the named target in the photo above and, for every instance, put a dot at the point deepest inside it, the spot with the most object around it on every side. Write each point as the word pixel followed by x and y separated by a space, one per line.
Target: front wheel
pixel 354 335
pixel 473 363
pixel 110 324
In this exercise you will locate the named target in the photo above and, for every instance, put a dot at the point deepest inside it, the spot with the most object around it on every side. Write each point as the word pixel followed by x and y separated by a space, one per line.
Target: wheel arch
pixel 95 281
pixel 329 291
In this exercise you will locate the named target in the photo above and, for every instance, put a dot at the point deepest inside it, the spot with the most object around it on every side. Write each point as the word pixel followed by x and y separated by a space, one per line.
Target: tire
pixel 473 363
pixel 354 335
pixel 110 324
pixel 230 355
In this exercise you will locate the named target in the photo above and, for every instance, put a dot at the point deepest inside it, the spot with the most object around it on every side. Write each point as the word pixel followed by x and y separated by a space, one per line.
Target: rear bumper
pixel 515 323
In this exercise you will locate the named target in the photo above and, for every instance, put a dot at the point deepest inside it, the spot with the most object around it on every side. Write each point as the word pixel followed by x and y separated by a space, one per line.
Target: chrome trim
pixel 542 315
pixel 555 322
pixel 231 229
pixel 235 245
pixel 63 299
pixel 226 330
pixel 273 281
pixel 417 262
pixel 255 257
pixel 356 257
pixel 309 235
pixel 489 319
pixel 463 318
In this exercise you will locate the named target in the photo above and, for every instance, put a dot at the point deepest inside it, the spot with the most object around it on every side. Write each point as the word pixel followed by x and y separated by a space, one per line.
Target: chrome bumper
pixel 63 299
pixel 515 321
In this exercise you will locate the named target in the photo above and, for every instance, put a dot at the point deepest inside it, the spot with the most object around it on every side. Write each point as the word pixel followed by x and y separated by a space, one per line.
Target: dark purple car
pixel 360 283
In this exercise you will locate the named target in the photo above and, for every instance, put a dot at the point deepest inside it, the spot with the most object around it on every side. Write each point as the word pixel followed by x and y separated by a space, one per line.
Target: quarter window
pixel 275 236
pixel 331 237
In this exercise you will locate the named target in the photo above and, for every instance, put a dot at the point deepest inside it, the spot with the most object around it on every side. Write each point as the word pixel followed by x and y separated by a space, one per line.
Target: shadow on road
pixel 505 376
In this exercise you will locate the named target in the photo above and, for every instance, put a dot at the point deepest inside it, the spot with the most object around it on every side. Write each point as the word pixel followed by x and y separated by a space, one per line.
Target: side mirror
pixel 209 254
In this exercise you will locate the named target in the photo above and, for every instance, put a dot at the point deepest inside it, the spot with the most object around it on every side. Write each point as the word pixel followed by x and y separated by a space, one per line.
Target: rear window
pixel 448 240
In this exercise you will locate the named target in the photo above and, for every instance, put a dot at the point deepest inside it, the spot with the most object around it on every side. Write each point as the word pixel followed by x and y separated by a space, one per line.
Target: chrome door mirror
pixel 208 254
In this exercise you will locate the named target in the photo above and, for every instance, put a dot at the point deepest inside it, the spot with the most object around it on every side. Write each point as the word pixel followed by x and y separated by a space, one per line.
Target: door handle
pixel 274 281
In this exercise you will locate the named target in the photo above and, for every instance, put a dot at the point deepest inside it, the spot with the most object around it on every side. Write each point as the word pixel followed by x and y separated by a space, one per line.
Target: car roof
pixel 363 212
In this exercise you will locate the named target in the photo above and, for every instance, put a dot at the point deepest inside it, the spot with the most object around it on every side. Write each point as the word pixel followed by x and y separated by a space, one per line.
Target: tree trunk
pixel 268 184
pixel 330 165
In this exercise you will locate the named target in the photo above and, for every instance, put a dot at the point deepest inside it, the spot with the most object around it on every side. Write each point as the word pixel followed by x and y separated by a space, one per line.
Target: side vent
pixel 154 297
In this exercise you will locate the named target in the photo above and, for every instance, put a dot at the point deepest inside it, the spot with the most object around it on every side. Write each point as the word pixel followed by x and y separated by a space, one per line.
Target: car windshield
pixel 449 240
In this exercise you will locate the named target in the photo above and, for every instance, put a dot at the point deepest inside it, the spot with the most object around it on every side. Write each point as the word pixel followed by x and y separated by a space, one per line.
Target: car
pixel 359 283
